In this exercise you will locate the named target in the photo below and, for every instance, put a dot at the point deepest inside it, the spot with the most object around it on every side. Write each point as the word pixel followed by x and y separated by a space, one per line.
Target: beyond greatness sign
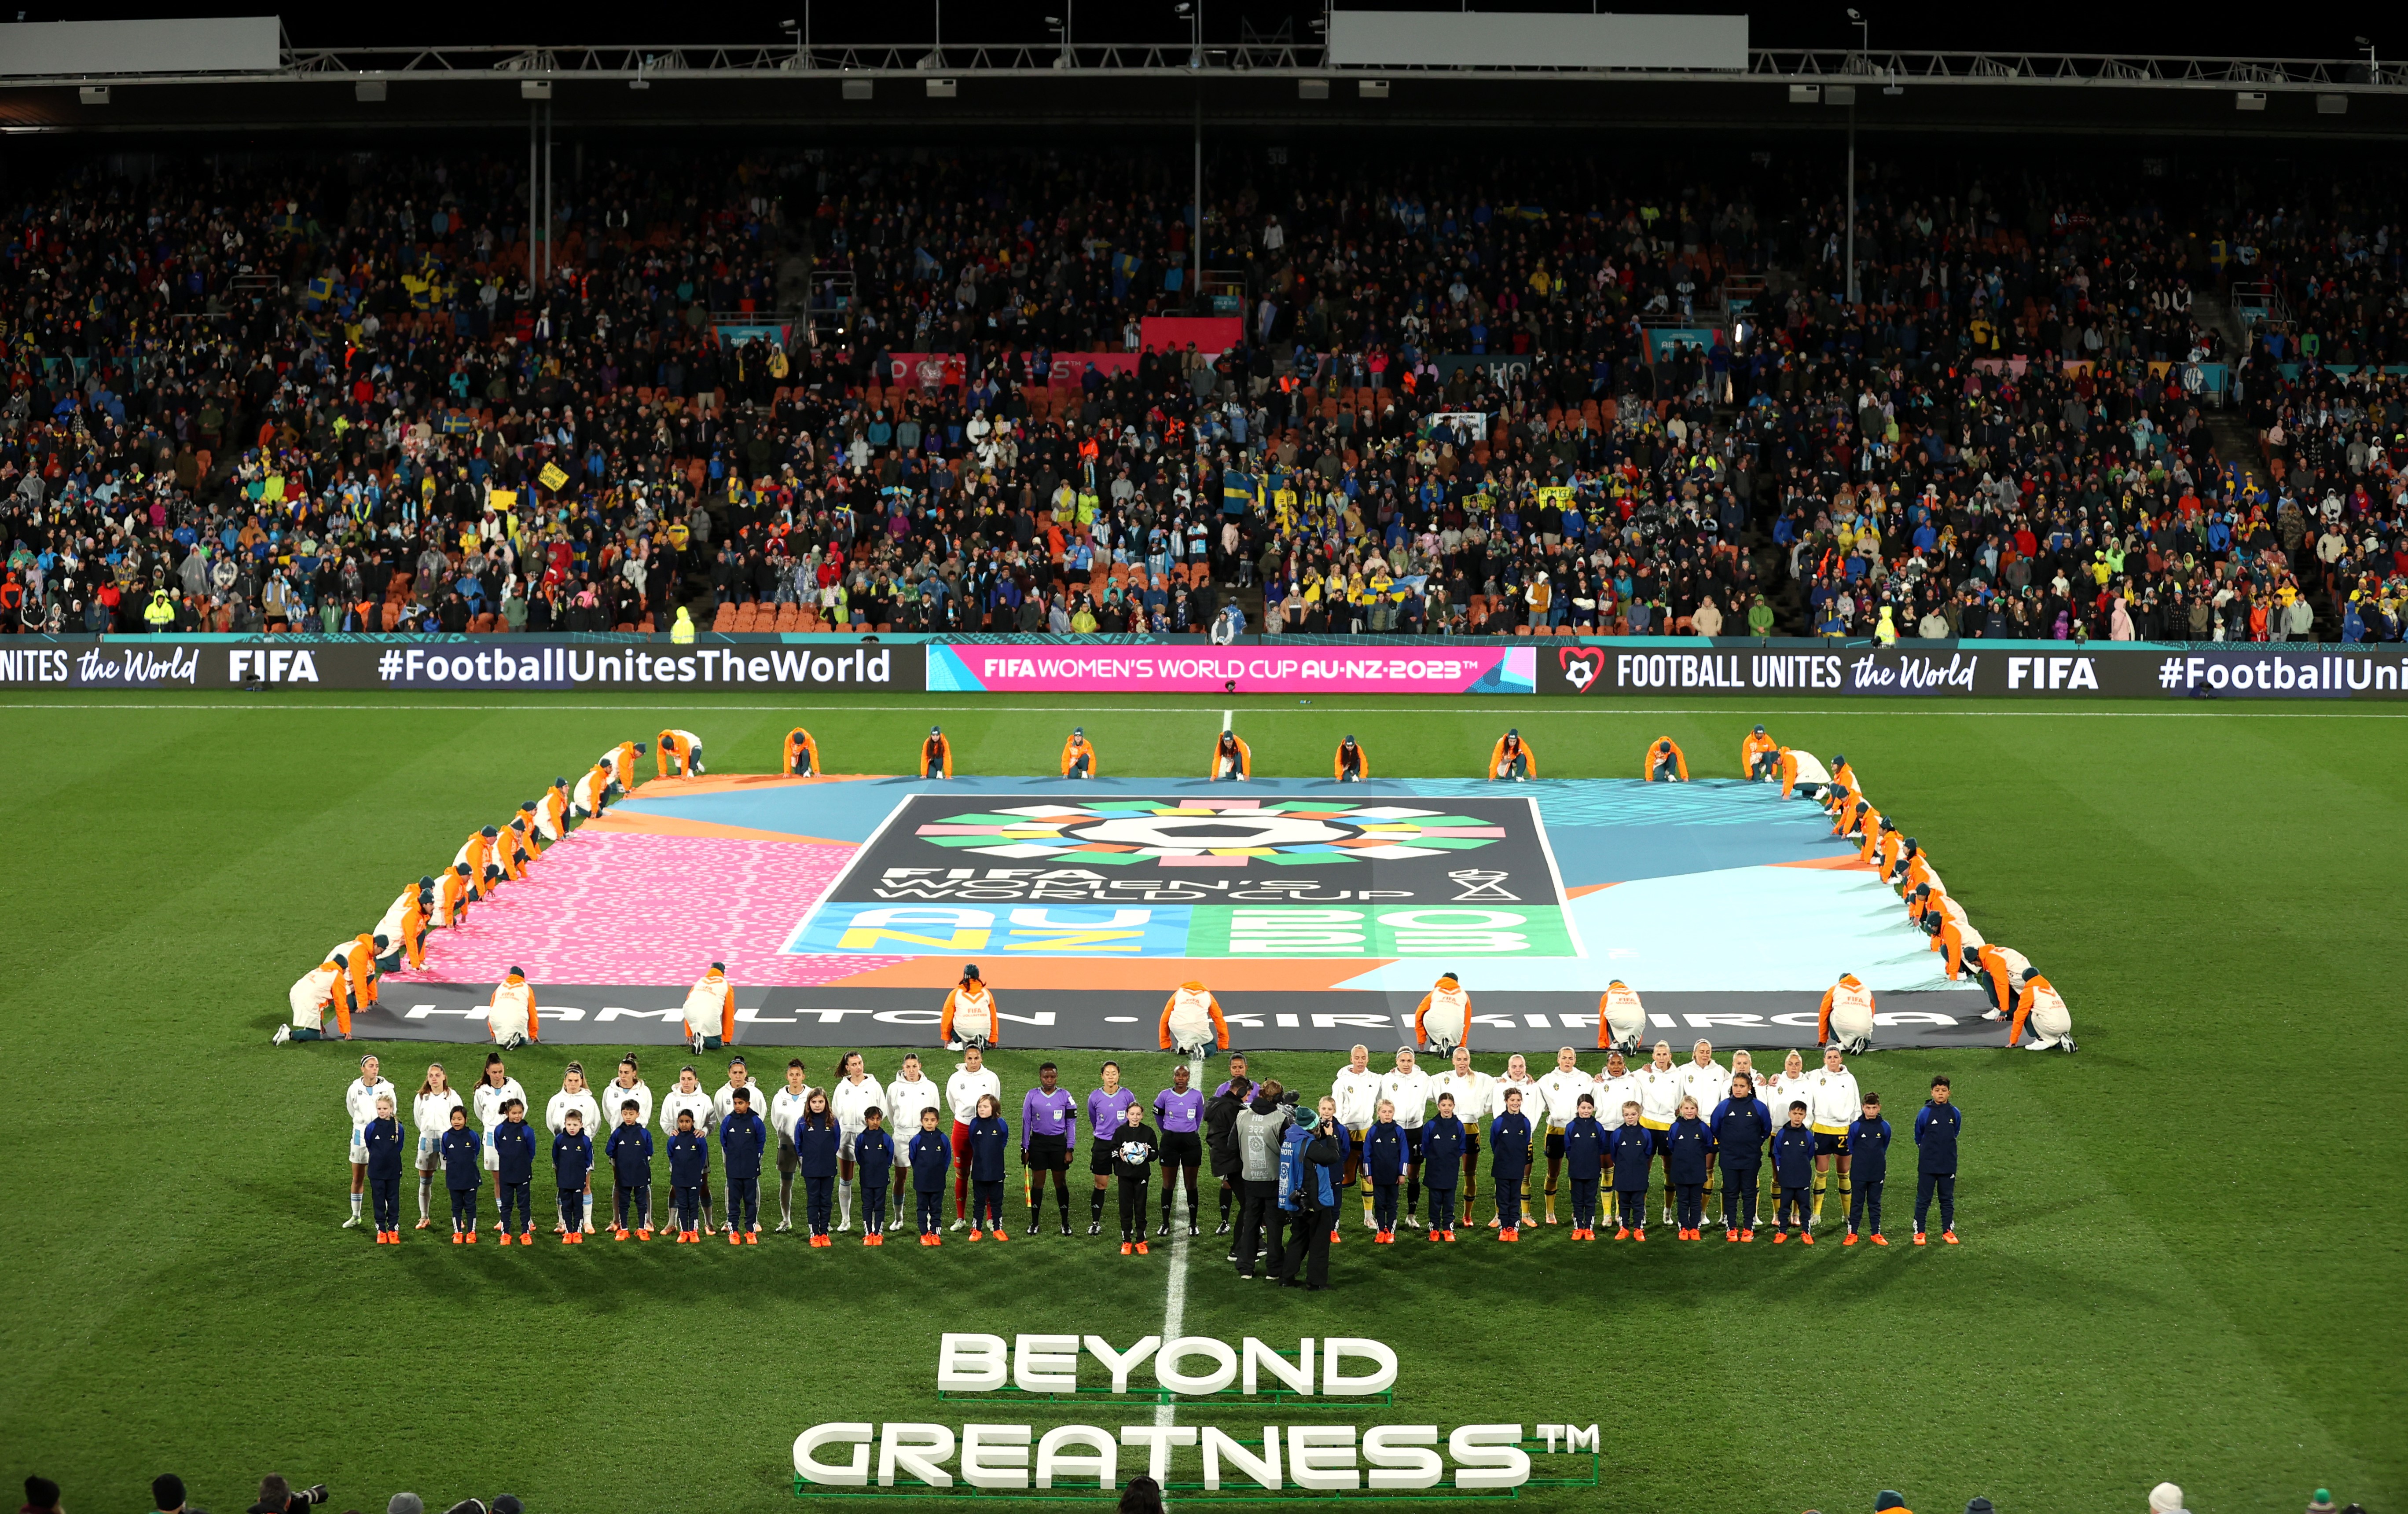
pixel 1793 670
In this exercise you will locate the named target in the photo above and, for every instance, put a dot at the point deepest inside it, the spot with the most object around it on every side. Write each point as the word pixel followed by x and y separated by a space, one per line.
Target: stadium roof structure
pixel 1276 83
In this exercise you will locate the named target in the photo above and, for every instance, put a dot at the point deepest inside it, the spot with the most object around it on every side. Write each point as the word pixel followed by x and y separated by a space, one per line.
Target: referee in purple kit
pixel 1046 1118
pixel 1106 1106
pixel 1179 1116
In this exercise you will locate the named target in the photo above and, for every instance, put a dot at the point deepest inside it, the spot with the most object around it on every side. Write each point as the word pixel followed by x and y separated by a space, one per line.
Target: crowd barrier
pixel 1537 666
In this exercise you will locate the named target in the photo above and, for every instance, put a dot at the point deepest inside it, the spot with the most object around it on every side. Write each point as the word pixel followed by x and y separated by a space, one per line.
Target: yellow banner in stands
pixel 552 478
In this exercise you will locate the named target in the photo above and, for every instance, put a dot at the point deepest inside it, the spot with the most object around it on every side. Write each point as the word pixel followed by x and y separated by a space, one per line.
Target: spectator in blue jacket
pixel 816 1139
pixel 689 1166
pixel 383 1137
pixel 572 1164
pixel 1687 1147
pixel 1868 1149
pixel 990 1141
pixel 1742 1124
pixel 514 1170
pixel 1509 1160
pixel 873 1155
pixel 1442 1165
pixel 462 1156
pixel 1583 1163
pixel 932 1162
pixel 1936 1125
pixel 1310 1160
pixel 1633 1146
pixel 743 1134
pixel 1793 1174
pixel 630 1150
pixel 1384 1165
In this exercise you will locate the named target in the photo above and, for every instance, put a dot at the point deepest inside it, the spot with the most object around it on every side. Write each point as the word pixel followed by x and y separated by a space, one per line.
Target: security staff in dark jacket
pixel 1259 1133
pixel 1311 1162
pixel 1936 1125
pixel 742 1137
pixel 1220 1141
pixel 1868 1149
pixel 1742 1124
pixel 1509 1159
pixel 1584 1163
pixel 1792 1173
pixel 514 1170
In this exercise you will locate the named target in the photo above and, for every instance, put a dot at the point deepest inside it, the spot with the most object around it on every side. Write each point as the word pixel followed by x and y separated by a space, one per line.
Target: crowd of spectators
pixel 1465 396
pixel 277 1495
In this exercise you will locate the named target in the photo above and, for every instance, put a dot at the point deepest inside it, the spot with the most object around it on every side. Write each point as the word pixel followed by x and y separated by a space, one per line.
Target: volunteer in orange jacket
pixel 1078 755
pixel 802 754
pixel 1191 1018
pixel 1758 752
pixel 1511 760
pixel 551 811
pixel 710 1011
pixel 2043 1008
pixel 1232 759
pixel 621 760
pixel 1443 1019
pixel 1621 1020
pixel 1785 765
pixel 936 755
pixel 680 755
pixel 970 1018
pixel 1351 764
pixel 511 1017
pixel 1847 1012
pixel 1666 763
pixel 320 989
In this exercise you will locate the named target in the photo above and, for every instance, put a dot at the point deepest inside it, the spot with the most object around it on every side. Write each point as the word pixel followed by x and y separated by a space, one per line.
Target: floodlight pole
pixel 1196 239
pixel 1852 204
pixel 532 196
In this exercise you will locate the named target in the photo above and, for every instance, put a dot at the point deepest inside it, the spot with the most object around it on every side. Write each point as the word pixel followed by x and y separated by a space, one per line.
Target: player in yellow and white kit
pixel 1560 1092
pixel 1620 1085
pixel 1476 1103
pixel 1703 1080
pixel 1661 1088
pixel 1407 1089
pixel 1358 1090
pixel 1833 1104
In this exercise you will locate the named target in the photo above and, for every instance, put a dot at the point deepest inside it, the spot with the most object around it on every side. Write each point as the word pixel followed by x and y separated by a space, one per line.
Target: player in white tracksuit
pixel 1477 1101
pixel 360 1102
pixel 574 1095
pixel 787 1107
pixel 430 1116
pixel 1560 1092
pixel 495 1089
pixel 912 1091
pixel 1661 1088
pixel 1703 1080
pixel 626 1088
pixel 1358 1091
pixel 688 1097
pixel 850 1099
pixel 1615 1087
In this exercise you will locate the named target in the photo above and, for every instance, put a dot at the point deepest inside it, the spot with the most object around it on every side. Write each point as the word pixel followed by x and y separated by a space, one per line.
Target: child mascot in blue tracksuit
pixel 1867 1148
pixel 932 1162
pixel 1935 1127
pixel 689 1169
pixel 1442 1166
pixel 572 1162
pixel 742 1136
pixel 384 1139
pixel 1792 1174
pixel 873 1156
pixel 1583 1163
pixel 1383 1163
pixel 464 1157
pixel 1631 1147
pixel 1742 1124
pixel 514 1172
pixel 1686 1147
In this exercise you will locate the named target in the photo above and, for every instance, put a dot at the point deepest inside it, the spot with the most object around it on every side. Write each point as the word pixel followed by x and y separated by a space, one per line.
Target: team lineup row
pixel 1707 1127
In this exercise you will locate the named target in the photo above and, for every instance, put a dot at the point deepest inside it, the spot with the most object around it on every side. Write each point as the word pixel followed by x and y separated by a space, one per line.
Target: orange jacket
pixel 1071 746
pixel 1362 762
pixel 1212 1007
pixel 413 932
pixel 479 857
pixel 1889 849
pixel 995 1031
pixel 802 752
pixel 1451 986
pixel 553 808
pixel 451 897
pixel 359 967
pixel 1918 872
pixel 1245 758
pixel 340 1000
pixel 535 1021
pixel 937 761
pixel 1752 747
pixel 621 760
pixel 726 1006
pixel 1788 771
pixel 1950 944
pixel 1993 964
pixel 2033 987
pixel 512 850
pixel 1604 1029
pixel 1869 842
pixel 674 745
pixel 1497 758
pixel 1823 1019
pixel 1679 759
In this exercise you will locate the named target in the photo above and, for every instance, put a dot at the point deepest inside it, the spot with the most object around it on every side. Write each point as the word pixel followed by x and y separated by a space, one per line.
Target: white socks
pixel 425 1194
pixel 355 1206
pixel 786 1200
pixel 843 1202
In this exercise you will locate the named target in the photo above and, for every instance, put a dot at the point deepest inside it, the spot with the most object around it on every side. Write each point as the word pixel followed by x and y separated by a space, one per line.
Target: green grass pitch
pixel 2179 1261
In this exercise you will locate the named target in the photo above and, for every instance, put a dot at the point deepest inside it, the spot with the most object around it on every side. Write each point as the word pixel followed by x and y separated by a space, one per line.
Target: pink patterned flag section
pixel 617 909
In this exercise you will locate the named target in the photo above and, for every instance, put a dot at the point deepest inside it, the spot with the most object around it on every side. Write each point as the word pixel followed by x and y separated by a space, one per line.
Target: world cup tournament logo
pixel 1163 831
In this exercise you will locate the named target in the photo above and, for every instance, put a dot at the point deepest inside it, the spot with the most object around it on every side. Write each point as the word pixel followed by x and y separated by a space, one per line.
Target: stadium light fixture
pixel 1840 95
pixel 1805 93
pixel 943 89
pixel 1313 89
pixel 368 91
pixel 535 89
pixel 93 94
pixel 2249 100
pixel 1371 89
pixel 859 89
pixel 2333 105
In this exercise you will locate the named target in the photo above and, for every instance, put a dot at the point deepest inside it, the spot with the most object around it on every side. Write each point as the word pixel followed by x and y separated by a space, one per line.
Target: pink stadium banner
pixel 1170 669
